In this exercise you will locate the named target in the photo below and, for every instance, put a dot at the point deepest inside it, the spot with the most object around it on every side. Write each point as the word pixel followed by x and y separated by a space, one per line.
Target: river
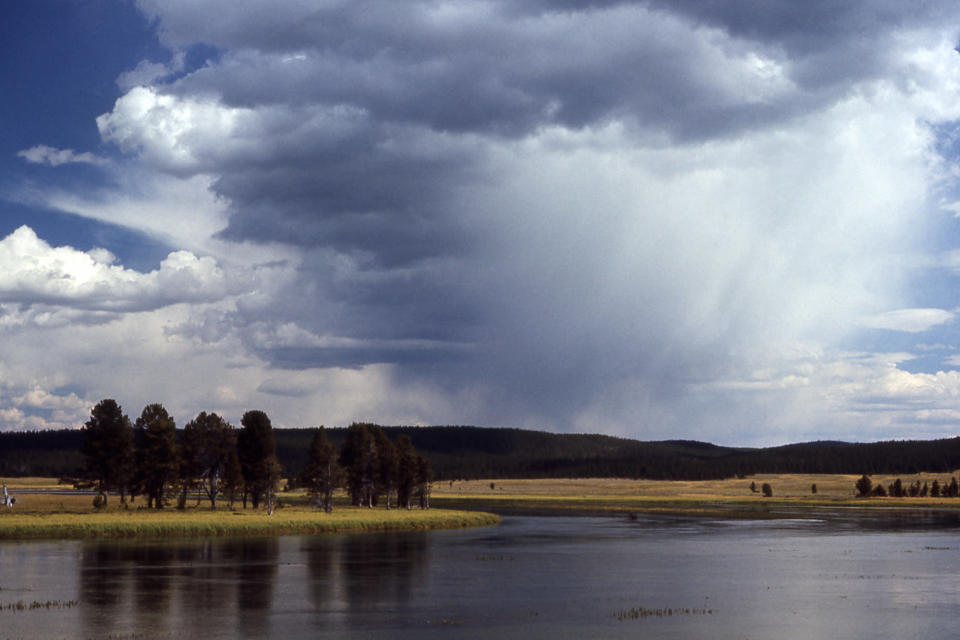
pixel 531 577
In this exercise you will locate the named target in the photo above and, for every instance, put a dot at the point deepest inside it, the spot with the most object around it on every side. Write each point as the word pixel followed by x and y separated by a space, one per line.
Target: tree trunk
pixel 212 492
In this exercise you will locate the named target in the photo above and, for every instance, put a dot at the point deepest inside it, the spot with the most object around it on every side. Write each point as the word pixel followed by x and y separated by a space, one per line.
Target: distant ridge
pixel 482 452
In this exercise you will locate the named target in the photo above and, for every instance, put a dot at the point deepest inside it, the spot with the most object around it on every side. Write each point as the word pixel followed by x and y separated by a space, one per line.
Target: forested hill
pixel 476 452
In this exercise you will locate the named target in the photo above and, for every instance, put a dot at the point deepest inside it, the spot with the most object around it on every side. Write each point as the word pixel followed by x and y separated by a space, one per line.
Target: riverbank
pixel 793 496
pixel 201 522
pixel 48 510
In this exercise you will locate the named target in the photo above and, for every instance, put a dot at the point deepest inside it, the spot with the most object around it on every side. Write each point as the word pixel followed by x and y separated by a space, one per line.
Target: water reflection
pixel 101 580
pixel 212 588
pixel 382 568
pixel 529 578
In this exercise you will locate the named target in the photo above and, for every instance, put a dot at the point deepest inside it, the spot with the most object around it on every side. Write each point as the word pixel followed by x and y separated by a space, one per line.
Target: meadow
pixel 461 503
pixel 71 515
pixel 729 497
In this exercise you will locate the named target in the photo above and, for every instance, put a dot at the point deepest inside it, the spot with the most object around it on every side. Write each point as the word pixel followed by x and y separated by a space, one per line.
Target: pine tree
pixel 207 444
pixel 864 486
pixel 157 455
pixel 322 475
pixel 257 449
pixel 358 457
pixel 406 471
pixel 108 447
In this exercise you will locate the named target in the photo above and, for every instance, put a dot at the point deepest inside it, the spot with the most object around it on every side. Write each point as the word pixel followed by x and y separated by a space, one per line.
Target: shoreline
pixel 771 508
pixel 196 523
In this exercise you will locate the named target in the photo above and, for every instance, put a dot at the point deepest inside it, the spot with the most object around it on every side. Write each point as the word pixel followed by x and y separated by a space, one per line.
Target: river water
pixel 530 577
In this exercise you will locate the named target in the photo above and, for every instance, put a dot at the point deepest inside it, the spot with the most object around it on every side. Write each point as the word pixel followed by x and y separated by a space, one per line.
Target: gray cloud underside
pixel 466 174
pixel 373 113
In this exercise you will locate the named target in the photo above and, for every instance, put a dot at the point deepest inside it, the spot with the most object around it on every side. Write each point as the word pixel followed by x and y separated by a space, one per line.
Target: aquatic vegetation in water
pixel 640 613
pixel 36 604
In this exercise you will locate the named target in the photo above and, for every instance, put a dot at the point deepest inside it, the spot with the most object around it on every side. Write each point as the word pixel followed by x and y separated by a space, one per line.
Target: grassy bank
pixel 38 516
pixel 463 504
pixel 203 522
pixel 728 498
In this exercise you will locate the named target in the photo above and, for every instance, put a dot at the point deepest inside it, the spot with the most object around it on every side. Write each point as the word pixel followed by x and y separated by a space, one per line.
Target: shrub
pixel 896 489
pixel 864 486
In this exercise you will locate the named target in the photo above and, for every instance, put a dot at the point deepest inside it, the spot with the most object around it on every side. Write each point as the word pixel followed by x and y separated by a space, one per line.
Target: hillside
pixel 476 452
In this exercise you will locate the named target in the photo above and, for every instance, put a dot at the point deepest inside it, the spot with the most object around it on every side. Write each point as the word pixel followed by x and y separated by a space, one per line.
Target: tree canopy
pixel 208 443
pixel 322 475
pixel 108 448
pixel 158 459
pixel 257 451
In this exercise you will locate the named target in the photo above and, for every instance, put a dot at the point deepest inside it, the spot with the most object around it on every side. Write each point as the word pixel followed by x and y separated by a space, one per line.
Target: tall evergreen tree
pixel 424 478
pixel 232 483
pixel 864 486
pixel 108 448
pixel 257 450
pixel 406 470
pixel 385 482
pixel 358 457
pixel 157 454
pixel 322 475
pixel 207 444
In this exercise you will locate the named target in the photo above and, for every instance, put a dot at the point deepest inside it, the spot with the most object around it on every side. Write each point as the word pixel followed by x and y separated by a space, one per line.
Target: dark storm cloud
pixel 505 68
pixel 415 78
pixel 414 154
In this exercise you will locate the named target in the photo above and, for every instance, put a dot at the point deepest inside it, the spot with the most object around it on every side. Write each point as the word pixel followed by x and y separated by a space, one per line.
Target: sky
pixel 733 221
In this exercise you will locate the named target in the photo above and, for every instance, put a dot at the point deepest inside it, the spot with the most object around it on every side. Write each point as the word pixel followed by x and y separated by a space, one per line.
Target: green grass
pixel 49 516
pixel 204 522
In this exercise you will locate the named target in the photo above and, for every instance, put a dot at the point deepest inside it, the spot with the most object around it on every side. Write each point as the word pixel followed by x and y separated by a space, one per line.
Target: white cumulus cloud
pixel 31 271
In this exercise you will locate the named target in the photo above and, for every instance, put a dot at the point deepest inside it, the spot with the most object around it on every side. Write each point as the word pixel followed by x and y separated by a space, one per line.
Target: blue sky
pixel 726 221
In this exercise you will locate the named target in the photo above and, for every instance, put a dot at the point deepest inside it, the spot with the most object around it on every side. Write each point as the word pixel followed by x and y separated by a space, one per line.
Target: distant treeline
pixel 477 452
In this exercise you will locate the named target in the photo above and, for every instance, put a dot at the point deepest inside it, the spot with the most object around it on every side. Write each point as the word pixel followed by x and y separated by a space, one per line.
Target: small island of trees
pixel 214 460
pixel 896 489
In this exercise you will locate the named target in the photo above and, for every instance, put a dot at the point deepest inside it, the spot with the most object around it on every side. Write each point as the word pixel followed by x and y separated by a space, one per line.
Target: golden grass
pixel 793 490
pixel 35 483
pixel 205 522
pixel 73 516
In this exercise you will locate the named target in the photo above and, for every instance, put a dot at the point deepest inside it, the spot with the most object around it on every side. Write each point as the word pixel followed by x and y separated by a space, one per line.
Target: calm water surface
pixel 528 578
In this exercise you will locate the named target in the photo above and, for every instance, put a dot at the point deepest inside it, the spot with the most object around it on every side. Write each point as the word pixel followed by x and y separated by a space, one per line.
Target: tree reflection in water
pixel 360 572
pixel 212 588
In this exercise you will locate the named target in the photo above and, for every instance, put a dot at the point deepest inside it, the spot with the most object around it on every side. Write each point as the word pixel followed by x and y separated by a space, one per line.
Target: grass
pixel 206 523
pixel 462 504
pixel 47 516
pixel 729 497
pixel 641 613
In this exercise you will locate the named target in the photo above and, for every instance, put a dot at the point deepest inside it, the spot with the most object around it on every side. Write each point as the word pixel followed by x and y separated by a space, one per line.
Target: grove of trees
pixel 896 489
pixel 376 469
pixel 214 460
